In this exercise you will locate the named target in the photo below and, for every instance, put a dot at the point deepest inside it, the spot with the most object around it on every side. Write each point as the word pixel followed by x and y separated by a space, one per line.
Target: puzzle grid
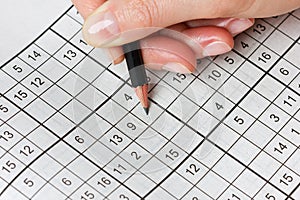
pixel 71 127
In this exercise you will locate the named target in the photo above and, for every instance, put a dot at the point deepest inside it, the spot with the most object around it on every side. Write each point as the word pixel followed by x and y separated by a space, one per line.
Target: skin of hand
pixel 178 31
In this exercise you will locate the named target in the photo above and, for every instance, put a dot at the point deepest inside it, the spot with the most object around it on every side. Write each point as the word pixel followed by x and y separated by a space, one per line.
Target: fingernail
pixel 216 48
pixel 239 25
pixel 176 67
pixel 101 28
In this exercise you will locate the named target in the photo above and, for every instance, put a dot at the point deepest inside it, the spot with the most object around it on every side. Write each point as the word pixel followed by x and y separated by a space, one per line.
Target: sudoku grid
pixel 72 128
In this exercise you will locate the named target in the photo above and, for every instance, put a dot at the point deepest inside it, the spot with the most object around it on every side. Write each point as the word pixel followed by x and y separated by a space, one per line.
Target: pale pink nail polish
pixel 176 67
pixel 101 28
pixel 239 25
pixel 216 48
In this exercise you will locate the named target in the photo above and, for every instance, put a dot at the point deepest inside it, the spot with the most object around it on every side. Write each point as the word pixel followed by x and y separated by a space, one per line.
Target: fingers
pixel 108 25
pixel 86 7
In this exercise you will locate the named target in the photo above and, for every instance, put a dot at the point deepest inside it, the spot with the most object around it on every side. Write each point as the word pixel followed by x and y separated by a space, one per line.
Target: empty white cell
pixel 59 124
pixel 244 151
pixel 12 193
pixel 75 111
pixel 213 185
pixel 49 192
pixel 187 139
pixel 259 134
pixel 101 55
pixel 265 165
pixel 155 170
pixel 160 193
pixel 176 185
pixel 91 97
pixel 248 74
pixel 99 154
pixel 294 162
pixel 269 88
pixel 46 167
pixel 228 168
pixel 224 136
pixel 208 154
pixel 290 26
pixel 107 83
pixel 95 126
pixel 63 153
pixel 53 70
pixel 254 103
pixel 140 184
pixel 83 168
pixel 88 69
pixel 167 125
pixel 56 97
pixel 50 42
pixel 67 27
pixel 40 110
pixel 234 89
pixel 23 123
pixel 183 108
pixel 42 138
pixel 273 42
pixel 72 84
pixel 249 183
pixel 112 112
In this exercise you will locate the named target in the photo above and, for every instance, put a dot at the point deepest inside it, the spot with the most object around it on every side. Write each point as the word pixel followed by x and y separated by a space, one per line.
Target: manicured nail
pixel 101 28
pixel 216 48
pixel 176 67
pixel 239 25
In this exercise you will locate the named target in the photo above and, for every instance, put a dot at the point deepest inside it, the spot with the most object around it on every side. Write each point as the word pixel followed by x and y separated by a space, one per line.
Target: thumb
pixel 117 22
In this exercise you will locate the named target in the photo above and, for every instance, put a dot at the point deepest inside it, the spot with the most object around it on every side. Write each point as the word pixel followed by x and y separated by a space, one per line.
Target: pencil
pixel 137 72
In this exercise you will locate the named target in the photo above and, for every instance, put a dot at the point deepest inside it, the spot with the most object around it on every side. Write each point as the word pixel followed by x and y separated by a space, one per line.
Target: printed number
pixel 295 131
pixel 34 56
pixel 6 135
pixel 87 195
pixel 269 196
pixel 193 169
pixel 275 118
pixel 290 100
pixel 135 155
pixel 66 181
pixel 259 28
pixel 172 154
pixel 131 126
pixel 17 68
pixel 239 120
pixel 122 196
pixel 37 82
pixel 104 182
pixel 82 42
pixel 215 74
pixel 128 97
pixel 281 148
pixel 233 196
pixel 116 139
pixel 79 139
pixel 9 166
pixel 284 71
pixel 179 77
pixel 70 55
pixel 286 179
pixel 21 95
pixel 195 198
pixel 264 57
pixel 3 109
pixel 229 60
pixel 28 182
pixel 244 45
pixel 219 106
pixel 120 167
pixel 26 151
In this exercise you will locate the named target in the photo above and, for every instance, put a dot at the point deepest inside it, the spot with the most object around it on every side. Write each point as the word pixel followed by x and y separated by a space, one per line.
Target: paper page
pixel 71 126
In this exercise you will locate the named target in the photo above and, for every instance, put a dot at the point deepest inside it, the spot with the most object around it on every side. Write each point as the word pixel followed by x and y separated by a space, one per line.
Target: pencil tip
pixel 146 111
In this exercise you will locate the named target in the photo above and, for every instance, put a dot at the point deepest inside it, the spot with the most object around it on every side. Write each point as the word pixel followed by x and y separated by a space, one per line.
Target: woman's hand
pixel 198 28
